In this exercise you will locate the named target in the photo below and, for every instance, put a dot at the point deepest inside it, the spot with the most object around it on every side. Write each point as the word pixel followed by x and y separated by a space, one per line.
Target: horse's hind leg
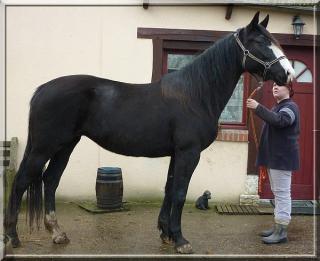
pixel 51 179
pixel 30 172
pixel 164 216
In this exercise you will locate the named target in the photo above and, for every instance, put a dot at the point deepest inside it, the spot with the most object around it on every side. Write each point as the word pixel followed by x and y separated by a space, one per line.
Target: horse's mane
pixel 206 78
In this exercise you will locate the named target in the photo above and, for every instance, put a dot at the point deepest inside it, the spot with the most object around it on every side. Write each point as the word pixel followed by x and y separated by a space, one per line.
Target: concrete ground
pixel 134 232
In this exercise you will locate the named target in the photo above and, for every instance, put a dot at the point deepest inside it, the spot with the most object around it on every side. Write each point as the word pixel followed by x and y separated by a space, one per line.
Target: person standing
pixel 278 152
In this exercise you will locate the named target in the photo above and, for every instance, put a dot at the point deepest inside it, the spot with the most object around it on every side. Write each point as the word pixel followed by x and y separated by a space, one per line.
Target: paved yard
pixel 134 232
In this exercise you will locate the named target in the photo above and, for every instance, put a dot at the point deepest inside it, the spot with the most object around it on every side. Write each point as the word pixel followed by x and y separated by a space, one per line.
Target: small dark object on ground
pixel 202 201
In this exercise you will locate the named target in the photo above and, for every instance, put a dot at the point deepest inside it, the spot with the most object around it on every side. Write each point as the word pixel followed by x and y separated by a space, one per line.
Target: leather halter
pixel 246 52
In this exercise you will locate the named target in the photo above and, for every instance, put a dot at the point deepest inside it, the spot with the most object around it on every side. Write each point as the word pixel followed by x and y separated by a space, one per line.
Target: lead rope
pixel 267 65
pixel 262 170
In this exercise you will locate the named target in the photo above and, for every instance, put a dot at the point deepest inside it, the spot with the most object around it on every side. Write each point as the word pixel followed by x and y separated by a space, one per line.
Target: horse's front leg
pixel 51 179
pixel 164 216
pixel 185 163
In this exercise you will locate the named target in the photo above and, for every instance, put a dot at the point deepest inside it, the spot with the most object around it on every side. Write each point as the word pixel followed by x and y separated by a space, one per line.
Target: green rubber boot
pixel 267 232
pixel 279 235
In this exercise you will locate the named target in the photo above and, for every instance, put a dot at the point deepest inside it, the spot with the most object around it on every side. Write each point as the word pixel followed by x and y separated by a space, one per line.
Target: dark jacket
pixel 279 147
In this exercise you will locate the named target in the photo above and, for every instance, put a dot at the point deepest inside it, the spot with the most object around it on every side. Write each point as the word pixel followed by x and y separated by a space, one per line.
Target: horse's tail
pixel 34 191
pixel 34 200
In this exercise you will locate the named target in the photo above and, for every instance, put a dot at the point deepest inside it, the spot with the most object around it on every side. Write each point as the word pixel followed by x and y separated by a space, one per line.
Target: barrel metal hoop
pixel 109 175
pixel 110 181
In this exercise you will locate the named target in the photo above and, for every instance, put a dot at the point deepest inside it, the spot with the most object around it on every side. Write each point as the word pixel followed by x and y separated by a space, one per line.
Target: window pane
pixel 305 77
pixel 291 62
pixel 177 61
pixel 298 67
pixel 233 110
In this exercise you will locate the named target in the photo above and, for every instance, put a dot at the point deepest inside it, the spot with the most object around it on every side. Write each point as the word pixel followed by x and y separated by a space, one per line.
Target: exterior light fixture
pixel 297 25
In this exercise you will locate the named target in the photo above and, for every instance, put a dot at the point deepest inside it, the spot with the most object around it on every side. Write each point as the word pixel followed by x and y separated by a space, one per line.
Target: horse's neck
pixel 223 91
pixel 223 76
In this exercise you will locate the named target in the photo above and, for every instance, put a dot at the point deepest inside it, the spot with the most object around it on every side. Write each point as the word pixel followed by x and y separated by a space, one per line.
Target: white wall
pixel 47 42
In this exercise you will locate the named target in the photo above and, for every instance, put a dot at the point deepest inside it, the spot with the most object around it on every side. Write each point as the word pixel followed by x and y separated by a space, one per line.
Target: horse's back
pixel 130 119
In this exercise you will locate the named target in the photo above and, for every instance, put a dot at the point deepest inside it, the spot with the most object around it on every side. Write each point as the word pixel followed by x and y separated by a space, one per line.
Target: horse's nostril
pixel 288 72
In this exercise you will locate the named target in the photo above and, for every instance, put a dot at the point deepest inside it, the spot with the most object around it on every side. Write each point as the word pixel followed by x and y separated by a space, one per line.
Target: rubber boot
pixel 279 235
pixel 267 232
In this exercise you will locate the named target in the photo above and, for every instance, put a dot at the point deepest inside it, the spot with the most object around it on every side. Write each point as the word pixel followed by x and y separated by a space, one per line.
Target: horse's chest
pixel 208 136
pixel 203 131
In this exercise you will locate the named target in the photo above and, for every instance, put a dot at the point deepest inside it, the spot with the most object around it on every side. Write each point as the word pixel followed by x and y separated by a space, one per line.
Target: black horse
pixel 176 116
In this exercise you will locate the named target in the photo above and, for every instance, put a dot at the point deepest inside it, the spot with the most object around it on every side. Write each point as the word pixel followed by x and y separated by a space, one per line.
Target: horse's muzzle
pixel 290 78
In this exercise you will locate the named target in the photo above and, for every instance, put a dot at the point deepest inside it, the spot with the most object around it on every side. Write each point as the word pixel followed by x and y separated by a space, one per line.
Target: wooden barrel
pixel 109 188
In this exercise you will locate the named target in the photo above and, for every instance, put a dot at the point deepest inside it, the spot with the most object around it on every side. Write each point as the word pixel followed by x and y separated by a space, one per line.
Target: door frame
pixel 252 169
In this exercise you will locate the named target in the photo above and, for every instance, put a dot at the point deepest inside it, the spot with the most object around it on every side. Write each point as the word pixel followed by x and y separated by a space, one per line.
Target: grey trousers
pixel 280 182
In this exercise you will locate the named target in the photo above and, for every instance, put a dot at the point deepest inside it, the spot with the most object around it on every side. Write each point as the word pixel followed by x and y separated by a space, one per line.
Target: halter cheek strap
pixel 246 52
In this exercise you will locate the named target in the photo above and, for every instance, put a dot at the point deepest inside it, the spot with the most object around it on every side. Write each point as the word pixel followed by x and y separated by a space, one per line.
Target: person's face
pixel 280 92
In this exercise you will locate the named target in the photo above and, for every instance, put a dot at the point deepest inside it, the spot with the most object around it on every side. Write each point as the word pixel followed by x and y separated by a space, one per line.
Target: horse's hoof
pixel 61 239
pixel 184 249
pixel 8 249
pixel 15 242
pixel 166 239
pixel 48 227
pixel 6 245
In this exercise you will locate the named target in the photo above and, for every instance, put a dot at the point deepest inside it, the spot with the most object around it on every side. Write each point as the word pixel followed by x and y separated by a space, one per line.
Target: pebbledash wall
pixel 45 42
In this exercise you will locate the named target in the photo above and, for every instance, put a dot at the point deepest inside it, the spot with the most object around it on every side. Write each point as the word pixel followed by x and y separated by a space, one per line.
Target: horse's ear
pixel 265 22
pixel 254 22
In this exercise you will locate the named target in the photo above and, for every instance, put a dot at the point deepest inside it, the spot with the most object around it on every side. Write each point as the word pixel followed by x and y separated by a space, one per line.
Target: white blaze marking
pixel 286 65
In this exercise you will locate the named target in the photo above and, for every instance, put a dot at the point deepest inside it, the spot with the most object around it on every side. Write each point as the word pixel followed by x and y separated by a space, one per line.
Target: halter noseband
pixel 246 52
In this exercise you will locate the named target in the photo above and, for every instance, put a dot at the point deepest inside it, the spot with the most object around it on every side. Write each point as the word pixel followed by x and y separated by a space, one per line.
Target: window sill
pixel 232 135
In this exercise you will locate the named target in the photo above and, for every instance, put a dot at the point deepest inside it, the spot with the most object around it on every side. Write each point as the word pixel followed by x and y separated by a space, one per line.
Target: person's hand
pixel 252 104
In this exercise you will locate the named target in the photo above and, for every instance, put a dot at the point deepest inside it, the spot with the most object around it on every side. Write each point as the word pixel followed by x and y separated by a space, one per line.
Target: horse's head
pixel 263 54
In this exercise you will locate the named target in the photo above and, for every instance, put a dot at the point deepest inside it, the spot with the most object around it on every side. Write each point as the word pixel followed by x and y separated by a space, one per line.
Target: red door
pixel 302 181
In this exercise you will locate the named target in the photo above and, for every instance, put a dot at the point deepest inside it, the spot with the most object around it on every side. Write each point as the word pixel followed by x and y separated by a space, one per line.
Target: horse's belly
pixel 143 146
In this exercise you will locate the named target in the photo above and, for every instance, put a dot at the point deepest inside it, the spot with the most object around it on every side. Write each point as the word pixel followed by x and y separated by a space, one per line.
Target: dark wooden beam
pixel 185 45
pixel 229 12
pixel 157 59
pixel 212 36
pixel 180 34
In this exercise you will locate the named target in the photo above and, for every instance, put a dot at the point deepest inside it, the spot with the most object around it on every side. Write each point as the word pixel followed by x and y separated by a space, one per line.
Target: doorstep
pixel 266 207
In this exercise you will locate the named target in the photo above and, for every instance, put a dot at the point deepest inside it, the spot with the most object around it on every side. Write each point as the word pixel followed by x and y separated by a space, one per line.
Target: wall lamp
pixel 297 25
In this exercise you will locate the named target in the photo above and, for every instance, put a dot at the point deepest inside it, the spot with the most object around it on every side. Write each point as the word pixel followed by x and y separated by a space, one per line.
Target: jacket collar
pixel 284 100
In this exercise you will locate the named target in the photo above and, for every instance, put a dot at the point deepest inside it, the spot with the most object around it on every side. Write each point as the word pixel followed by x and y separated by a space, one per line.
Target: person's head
pixel 282 92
